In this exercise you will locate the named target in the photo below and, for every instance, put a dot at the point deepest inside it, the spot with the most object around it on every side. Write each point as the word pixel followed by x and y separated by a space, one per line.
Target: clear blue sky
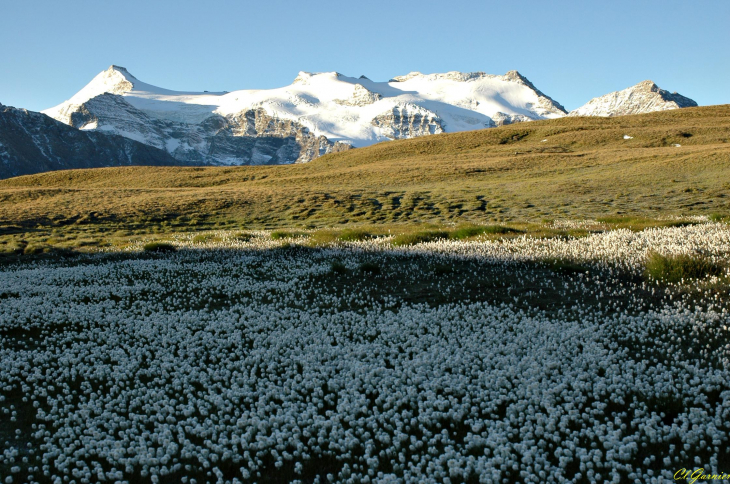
pixel 571 50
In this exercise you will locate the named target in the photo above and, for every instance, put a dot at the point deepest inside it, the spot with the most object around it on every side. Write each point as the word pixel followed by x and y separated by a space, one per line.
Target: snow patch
pixel 90 126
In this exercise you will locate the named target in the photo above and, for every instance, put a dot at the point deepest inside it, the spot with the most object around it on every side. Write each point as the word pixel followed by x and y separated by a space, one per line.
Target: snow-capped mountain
pixel 325 112
pixel 317 114
pixel 644 97
pixel 32 142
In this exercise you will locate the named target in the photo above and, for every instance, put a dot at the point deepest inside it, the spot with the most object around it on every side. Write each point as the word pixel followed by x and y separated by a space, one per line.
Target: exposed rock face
pixel 407 77
pixel 259 138
pixel 32 142
pixel 250 137
pixel 361 96
pixel 110 113
pixel 408 121
pixel 644 97
pixel 502 119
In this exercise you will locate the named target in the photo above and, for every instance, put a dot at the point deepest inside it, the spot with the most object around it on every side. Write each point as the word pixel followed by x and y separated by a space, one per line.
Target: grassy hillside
pixel 570 167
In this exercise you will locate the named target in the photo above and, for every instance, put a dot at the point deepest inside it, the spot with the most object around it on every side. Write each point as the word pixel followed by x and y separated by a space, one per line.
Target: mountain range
pixel 318 113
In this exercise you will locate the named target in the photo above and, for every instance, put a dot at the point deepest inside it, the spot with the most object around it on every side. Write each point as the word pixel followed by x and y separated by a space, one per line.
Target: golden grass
pixel 585 169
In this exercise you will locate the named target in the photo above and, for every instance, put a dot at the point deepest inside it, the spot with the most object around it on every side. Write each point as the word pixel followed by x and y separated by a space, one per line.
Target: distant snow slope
pixel 644 97
pixel 317 114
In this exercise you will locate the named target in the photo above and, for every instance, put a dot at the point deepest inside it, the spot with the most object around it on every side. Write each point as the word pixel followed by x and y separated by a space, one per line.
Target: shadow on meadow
pixel 329 281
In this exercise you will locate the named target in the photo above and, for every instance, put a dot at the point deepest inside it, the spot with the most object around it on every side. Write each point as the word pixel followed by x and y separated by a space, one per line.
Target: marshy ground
pixel 230 357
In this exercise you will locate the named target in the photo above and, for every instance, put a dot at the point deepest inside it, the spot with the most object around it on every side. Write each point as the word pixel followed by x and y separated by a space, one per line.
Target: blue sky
pixel 571 50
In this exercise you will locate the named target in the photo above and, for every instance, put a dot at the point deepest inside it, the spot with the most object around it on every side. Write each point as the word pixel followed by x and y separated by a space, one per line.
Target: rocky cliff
pixel 408 121
pixel 249 137
pixel 32 142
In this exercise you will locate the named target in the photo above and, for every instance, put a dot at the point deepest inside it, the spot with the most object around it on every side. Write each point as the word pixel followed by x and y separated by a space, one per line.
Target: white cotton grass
pixel 245 364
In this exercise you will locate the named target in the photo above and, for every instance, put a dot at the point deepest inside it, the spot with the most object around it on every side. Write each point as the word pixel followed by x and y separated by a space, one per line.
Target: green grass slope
pixel 570 167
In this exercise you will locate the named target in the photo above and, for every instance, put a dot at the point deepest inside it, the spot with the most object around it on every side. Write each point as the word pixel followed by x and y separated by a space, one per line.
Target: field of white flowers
pixel 254 360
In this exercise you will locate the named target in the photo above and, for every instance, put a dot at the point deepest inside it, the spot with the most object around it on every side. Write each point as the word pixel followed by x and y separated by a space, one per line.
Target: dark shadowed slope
pixel 32 142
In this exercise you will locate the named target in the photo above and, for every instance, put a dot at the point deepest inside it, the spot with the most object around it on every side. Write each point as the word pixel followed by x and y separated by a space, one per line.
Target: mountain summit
pixel 115 80
pixel 644 97
pixel 317 114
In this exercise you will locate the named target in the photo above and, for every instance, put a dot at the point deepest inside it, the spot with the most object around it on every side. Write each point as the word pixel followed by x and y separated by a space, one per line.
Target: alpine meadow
pixel 523 174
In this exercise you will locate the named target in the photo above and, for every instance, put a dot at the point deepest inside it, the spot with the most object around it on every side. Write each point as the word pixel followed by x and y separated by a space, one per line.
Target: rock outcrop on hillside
pixel 408 121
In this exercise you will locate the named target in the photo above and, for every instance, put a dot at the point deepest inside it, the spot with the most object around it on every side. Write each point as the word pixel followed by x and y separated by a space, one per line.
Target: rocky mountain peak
pixel 647 85
pixel 546 102
pixel 304 76
pixel 114 80
pixel 515 76
pixel 644 97
pixel 121 70
pixel 408 76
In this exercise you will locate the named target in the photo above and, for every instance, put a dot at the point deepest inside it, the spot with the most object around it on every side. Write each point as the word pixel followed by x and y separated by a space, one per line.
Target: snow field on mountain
pixel 260 361
pixel 325 112
pixel 330 104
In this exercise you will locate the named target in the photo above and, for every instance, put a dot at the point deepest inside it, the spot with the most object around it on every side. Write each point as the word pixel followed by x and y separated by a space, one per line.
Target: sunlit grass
pixel 481 177
pixel 680 268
